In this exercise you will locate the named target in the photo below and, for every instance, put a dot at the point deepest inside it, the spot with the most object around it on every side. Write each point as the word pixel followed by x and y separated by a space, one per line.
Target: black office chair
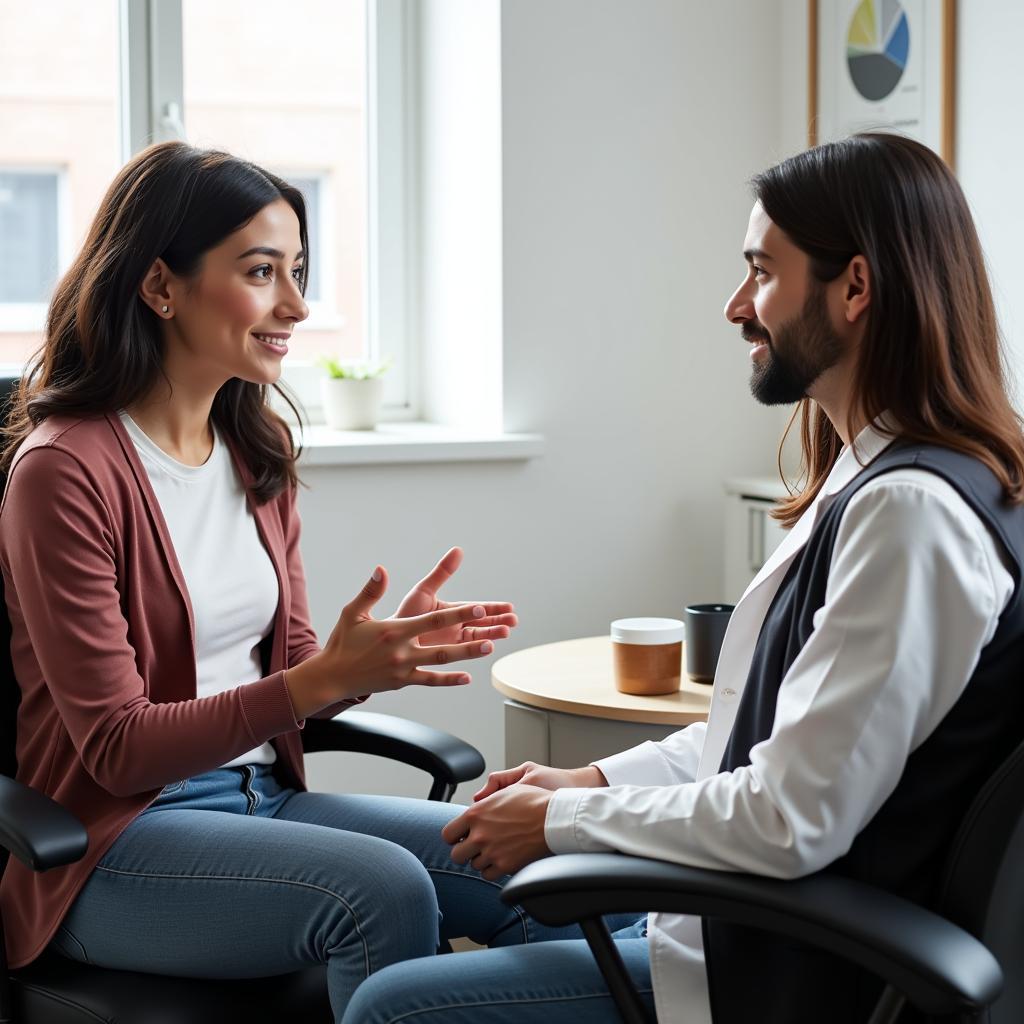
pixel 940 961
pixel 39 832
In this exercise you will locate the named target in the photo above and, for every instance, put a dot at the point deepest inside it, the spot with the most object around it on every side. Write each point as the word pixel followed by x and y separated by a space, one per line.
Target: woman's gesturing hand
pixel 498 619
pixel 366 655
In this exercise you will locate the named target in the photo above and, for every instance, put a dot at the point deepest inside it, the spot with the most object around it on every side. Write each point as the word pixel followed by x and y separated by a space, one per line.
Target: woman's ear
pixel 155 290
pixel 857 289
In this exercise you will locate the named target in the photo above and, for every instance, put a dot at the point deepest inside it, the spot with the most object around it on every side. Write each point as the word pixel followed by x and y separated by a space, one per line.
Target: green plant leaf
pixel 353 370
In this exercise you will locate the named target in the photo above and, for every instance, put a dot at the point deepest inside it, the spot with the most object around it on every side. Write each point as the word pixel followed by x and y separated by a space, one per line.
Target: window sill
pixel 412 442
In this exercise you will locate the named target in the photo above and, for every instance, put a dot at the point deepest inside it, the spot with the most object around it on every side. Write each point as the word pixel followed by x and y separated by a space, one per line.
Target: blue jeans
pixel 230 875
pixel 554 983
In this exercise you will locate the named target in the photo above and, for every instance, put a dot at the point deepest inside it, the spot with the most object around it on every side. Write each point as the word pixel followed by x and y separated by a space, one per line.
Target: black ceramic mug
pixel 705 631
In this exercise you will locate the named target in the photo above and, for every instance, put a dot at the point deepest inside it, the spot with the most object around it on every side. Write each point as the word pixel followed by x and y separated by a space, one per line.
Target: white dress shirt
pixel 859 699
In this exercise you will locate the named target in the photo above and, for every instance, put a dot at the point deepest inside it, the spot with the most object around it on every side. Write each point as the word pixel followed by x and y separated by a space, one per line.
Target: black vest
pixel 755 976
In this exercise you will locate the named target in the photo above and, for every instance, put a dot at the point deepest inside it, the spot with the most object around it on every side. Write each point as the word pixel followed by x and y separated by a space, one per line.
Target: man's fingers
pixel 465 851
pixel 495 781
pixel 456 829
pixel 499 780
pixel 371 593
pixel 489 787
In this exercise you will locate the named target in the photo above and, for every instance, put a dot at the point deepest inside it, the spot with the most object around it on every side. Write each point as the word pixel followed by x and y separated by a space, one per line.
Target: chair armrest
pixel 36 829
pixel 938 966
pixel 446 758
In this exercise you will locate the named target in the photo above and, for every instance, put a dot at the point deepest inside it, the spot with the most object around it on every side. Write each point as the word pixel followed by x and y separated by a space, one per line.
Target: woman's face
pixel 235 316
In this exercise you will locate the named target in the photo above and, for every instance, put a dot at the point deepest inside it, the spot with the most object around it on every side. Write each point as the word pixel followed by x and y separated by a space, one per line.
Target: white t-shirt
pixel 228 574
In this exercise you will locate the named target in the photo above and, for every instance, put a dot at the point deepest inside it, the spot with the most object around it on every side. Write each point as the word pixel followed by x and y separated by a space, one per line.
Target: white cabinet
pixel 751 535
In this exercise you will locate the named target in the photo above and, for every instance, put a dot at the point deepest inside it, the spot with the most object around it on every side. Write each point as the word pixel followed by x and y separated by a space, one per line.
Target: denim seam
pixel 518 910
pixel 256 878
pixel 249 791
pixel 71 935
pixel 506 1002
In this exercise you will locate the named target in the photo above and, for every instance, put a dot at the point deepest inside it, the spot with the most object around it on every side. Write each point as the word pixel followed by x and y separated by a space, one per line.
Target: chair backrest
pixel 10 694
pixel 983 887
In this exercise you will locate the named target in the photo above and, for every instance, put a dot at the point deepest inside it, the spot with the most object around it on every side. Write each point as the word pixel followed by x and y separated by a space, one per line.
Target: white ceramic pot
pixel 351 404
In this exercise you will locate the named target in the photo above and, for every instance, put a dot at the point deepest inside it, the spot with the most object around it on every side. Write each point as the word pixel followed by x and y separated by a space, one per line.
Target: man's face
pixel 783 312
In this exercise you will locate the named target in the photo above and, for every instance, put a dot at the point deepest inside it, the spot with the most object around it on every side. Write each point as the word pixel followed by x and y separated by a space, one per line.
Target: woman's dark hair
pixel 102 348
pixel 931 355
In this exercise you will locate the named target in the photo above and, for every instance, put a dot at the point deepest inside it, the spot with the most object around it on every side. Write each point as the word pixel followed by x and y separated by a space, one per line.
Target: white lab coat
pixel 859 698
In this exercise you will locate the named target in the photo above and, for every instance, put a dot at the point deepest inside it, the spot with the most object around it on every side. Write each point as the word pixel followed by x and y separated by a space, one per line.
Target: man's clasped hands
pixel 504 828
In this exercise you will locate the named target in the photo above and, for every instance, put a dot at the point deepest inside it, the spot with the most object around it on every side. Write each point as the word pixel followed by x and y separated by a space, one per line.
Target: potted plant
pixel 352 393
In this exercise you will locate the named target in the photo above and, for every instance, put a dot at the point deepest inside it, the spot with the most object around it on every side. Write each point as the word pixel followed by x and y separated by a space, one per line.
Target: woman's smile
pixel 276 343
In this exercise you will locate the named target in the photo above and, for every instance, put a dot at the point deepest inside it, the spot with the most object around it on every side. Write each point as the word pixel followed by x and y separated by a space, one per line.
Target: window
pixel 29 235
pixel 312 192
pixel 58 150
pixel 299 88
pixel 303 115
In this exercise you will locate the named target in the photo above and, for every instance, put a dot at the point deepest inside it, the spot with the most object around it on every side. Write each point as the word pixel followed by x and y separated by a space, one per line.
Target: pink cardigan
pixel 103 650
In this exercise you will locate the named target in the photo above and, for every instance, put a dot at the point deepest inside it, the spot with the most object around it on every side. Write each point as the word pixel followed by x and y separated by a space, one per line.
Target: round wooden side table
pixel 562 708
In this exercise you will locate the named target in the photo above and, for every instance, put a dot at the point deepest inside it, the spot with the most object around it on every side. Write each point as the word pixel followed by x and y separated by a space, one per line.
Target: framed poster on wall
pixel 886 64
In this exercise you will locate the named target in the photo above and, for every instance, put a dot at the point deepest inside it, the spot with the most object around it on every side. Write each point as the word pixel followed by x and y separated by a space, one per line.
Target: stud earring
pixel 165 309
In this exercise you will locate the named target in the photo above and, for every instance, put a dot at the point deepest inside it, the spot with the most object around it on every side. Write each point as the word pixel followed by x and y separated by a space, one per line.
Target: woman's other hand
pixel 366 655
pixel 496 623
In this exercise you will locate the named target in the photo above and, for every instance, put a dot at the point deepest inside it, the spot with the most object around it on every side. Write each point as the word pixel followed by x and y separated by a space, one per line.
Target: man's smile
pixel 758 337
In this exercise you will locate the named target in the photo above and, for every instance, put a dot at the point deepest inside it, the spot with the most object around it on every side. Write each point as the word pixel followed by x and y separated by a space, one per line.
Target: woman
pixel 149 542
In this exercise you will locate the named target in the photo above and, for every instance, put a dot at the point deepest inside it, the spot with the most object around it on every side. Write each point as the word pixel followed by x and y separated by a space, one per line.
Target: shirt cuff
pixel 560 822
pixel 643 765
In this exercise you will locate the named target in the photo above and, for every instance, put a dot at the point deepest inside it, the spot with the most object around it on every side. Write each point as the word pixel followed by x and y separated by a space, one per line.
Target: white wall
pixel 990 151
pixel 989 141
pixel 629 130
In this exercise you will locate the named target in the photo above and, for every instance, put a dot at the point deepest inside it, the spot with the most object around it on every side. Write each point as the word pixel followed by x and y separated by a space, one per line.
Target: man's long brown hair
pixel 931 356
pixel 103 348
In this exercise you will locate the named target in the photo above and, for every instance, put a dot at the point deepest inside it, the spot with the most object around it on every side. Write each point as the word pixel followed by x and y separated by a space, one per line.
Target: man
pixel 869 680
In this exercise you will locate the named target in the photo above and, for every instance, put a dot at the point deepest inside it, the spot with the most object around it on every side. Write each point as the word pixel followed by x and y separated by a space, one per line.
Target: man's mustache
pixel 751 333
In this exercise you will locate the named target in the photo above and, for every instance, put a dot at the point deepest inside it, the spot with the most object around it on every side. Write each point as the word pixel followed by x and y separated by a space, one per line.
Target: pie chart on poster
pixel 877 46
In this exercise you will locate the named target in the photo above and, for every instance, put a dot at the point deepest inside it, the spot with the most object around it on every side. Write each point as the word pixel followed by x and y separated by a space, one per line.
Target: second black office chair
pixel 940 961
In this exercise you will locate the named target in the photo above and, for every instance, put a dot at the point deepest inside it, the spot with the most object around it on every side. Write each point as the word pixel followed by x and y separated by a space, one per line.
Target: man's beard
pixel 800 351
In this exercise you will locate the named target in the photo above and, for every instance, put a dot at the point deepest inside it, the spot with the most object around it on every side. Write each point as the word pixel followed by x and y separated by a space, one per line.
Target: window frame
pixel 392 242
pixel 153 110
